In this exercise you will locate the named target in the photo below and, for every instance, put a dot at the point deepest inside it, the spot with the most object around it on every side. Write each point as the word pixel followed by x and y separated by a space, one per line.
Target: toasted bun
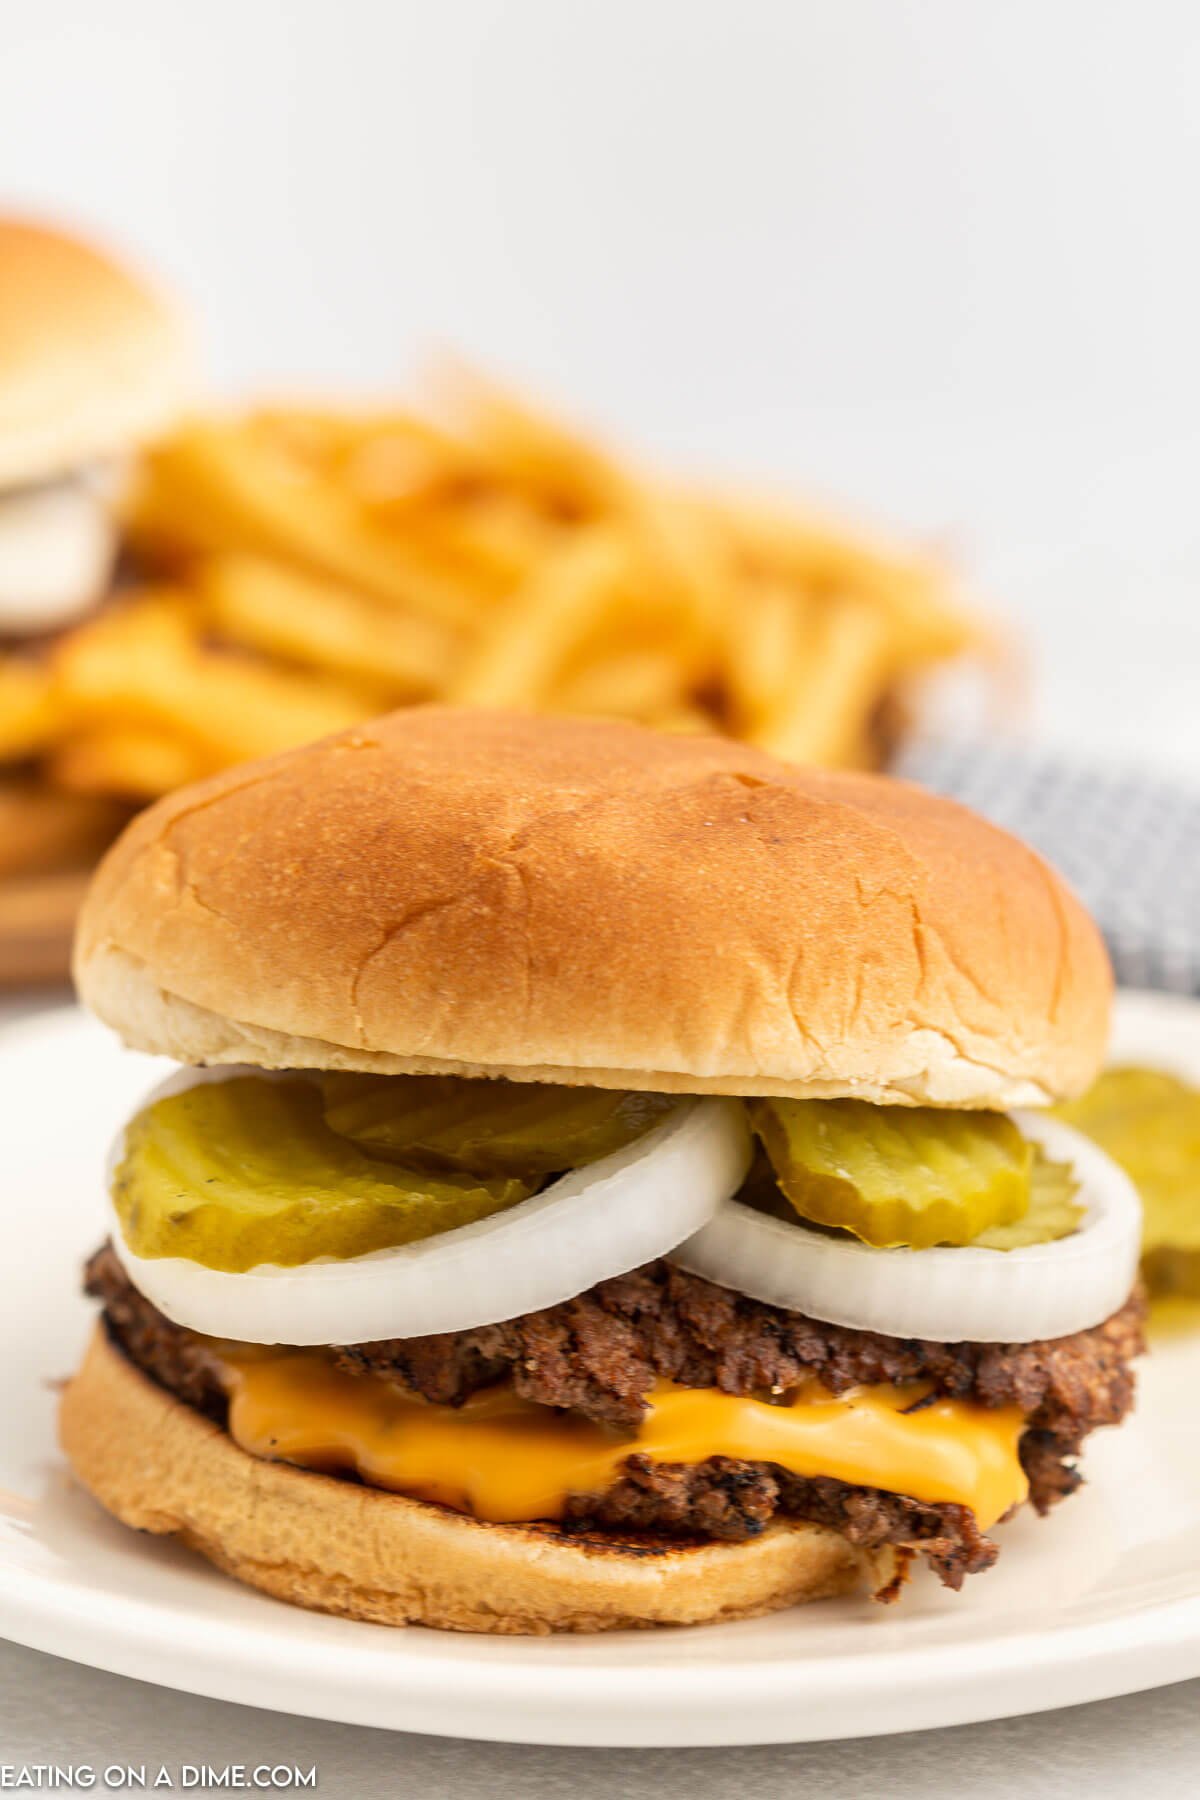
pixel 341 1548
pixel 488 894
pixel 91 361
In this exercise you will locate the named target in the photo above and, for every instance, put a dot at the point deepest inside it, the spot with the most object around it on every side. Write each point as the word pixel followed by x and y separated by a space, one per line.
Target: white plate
pixel 1101 1599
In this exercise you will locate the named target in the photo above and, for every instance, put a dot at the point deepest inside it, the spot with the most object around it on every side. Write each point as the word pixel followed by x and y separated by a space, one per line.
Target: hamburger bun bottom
pixel 338 1547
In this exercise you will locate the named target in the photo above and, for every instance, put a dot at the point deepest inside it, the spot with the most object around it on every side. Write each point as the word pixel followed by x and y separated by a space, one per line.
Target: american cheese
pixel 504 1459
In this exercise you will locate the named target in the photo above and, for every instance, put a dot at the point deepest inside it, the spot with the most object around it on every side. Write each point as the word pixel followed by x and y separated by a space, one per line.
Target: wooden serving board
pixel 37 922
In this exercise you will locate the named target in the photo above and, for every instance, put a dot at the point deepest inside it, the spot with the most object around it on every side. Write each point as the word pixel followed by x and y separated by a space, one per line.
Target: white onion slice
pixel 601 1220
pixel 947 1295
pixel 57 547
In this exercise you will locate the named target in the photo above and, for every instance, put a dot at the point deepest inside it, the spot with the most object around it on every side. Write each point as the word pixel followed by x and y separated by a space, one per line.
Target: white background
pixel 935 260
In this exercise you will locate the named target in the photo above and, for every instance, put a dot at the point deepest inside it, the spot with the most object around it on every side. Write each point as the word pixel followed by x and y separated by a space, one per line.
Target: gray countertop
pixel 52 1711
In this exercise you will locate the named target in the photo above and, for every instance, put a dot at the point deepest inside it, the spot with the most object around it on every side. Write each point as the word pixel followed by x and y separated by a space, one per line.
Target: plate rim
pixel 930 1686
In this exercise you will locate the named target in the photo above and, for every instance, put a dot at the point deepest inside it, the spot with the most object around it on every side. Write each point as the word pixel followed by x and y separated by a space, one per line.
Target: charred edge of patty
pixel 601 1353
pixel 731 1501
pixel 660 1322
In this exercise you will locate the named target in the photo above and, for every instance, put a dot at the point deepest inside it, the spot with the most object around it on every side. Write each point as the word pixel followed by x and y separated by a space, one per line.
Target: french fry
pixel 137 763
pixel 645 684
pixel 494 537
pixel 768 643
pixel 686 719
pixel 397 465
pixel 560 605
pixel 562 469
pixel 833 560
pixel 214 487
pixel 318 566
pixel 28 715
pixel 826 711
pixel 144 667
pixel 689 565
pixel 278 609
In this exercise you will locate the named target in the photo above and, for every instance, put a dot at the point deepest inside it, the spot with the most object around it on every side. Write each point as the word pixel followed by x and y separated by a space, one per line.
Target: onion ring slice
pixel 595 1222
pixel 947 1295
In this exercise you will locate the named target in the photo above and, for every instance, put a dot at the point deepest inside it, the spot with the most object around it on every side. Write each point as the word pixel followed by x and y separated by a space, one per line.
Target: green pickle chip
pixel 246 1171
pixel 487 1127
pixel 1173 1272
pixel 1053 1212
pixel 897 1176
pixel 1149 1123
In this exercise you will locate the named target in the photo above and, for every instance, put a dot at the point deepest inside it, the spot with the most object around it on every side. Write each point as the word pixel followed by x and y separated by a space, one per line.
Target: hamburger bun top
pixel 490 894
pixel 91 361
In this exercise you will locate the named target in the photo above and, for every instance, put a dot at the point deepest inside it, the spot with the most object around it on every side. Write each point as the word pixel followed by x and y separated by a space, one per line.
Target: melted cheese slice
pixel 504 1459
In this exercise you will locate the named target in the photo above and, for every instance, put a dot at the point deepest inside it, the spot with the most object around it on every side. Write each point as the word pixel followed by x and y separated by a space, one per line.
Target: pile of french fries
pixel 296 571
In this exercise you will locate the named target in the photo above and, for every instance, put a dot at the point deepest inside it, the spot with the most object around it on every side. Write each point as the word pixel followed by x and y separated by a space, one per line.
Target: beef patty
pixel 601 1353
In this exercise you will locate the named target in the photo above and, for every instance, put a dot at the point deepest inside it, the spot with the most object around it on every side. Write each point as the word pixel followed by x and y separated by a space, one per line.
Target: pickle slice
pixel 1149 1123
pixel 897 1176
pixel 235 1173
pixel 1053 1212
pixel 487 1127
pixel 1173 1272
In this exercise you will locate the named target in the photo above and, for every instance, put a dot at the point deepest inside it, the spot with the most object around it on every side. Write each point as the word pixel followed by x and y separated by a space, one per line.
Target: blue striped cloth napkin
pixel 1128 843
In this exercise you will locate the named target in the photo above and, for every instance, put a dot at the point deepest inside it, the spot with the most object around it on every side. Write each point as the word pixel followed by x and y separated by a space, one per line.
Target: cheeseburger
pixel 605 1185
pixel 92 362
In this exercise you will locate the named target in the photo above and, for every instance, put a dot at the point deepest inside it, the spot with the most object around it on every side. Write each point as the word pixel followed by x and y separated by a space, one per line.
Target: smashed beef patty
pixel 600 1355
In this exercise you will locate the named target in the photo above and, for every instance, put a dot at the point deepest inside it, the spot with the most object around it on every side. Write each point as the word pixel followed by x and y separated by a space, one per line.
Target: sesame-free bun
pixel 343 1548
pixel 91 360
pixel 489 894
